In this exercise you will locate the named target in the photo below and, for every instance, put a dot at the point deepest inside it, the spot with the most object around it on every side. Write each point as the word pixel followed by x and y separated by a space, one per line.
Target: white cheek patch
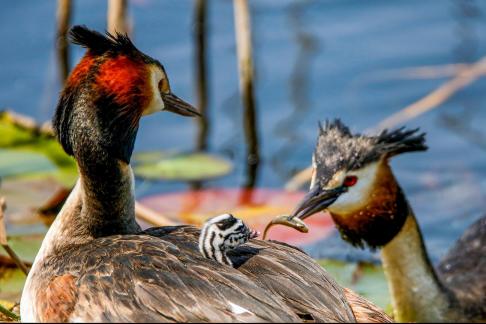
pixel 358 194
pixel 156 103
pixel 314 171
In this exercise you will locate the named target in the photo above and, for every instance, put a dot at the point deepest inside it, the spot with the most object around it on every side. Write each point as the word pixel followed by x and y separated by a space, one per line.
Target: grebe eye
pixel 164 86
pixel 350 181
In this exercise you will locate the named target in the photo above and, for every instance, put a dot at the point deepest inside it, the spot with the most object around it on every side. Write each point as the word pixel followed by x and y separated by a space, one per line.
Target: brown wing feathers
pixel 161 275
pixel 153 279
pixel 302 284
pixel 56 303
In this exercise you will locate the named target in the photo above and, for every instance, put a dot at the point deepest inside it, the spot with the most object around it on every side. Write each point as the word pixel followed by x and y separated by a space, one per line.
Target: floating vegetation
pixel 28 149
pixel 186 167
pixel 364 278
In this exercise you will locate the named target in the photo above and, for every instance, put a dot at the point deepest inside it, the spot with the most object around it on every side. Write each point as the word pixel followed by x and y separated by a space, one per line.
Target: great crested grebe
pixel 95 263
pixel 354 182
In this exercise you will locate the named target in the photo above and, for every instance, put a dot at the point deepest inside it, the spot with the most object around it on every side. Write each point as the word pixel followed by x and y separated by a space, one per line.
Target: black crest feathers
pixel 99 43
pixel 391 143
pixel 401 140
pixel 337 125
pixel 338 148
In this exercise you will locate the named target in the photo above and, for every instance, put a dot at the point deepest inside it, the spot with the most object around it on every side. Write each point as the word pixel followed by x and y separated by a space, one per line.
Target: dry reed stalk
pixel 466 74
pixel 3 239
pixel 117 17
pixel 434 99
pixel 27 123
pixel 63 16
pixel 430 72
pixel 201 73
pixel 245 66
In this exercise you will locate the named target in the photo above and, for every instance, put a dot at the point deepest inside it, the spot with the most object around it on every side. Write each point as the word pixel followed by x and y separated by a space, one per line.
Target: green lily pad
pixel 15 163
pixel 366 279
pixel 12 279
pixel 25 246
pixel 11 283
pixel 22 140
pixel 185 167
pixel 151 156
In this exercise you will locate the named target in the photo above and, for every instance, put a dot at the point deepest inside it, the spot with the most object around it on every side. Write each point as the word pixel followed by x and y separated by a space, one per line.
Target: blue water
pixel 348 69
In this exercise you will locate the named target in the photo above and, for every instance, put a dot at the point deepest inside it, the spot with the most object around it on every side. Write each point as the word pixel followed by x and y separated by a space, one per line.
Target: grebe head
pixel 221 234
pixel 107 93
pixel 353 181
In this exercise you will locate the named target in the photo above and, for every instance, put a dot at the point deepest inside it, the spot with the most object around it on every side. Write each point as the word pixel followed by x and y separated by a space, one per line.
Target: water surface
pixel 314 60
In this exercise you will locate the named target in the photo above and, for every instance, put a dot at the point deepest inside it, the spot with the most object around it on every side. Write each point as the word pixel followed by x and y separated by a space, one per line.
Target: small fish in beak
pixel 288 221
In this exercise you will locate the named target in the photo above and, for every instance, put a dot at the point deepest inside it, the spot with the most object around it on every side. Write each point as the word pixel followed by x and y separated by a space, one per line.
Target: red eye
pixel 350 181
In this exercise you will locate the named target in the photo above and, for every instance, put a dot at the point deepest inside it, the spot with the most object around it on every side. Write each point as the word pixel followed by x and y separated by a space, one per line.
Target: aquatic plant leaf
pixel 12 279
pixel 365 279
pixel 25 246
pixel 151 156
pixel 183 167
pixel 11 282
pixel 24 197
pixel 19 139
pixel 19 163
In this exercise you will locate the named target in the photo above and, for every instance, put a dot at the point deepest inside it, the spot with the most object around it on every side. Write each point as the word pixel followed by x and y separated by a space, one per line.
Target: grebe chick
pixel 221 234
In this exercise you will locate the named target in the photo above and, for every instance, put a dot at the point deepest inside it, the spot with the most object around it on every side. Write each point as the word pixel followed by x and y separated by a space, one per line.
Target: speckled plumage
pixel 463 270
pixel 159 275
pixel 363 311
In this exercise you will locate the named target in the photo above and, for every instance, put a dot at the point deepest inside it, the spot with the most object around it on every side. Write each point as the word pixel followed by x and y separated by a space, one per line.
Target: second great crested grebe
pixel 96 264
pixel 354 182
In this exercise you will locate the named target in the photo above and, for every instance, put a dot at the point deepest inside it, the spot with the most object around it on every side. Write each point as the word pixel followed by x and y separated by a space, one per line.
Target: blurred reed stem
pixel 465 75
pixel 245 66
pixel 63 15
pixel 200 40
pixel 117 17
pixel 3 239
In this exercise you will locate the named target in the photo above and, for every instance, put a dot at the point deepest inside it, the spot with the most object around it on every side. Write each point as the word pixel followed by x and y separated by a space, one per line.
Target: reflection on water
pixel 466 13
pixel 243 35
pixel 200 62
pixel 313 60
pixel 287 128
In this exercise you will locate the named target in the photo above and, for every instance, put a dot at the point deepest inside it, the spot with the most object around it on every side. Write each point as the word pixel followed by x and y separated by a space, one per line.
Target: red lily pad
pixel 257 207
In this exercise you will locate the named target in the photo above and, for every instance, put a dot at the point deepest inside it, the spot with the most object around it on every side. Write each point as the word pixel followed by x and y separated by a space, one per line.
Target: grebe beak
pixel 317 200
pixel 177 105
